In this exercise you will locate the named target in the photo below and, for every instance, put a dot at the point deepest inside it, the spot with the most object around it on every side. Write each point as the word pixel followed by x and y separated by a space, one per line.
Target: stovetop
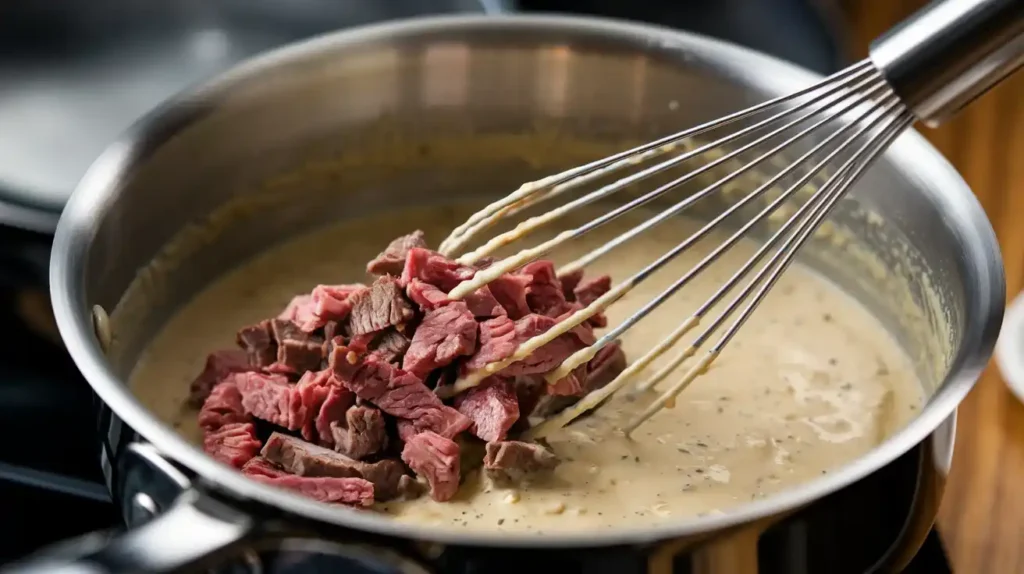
pixel 54 463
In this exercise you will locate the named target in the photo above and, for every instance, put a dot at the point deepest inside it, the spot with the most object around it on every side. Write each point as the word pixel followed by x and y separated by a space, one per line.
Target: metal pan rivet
pixel 101 325
pixel 143 508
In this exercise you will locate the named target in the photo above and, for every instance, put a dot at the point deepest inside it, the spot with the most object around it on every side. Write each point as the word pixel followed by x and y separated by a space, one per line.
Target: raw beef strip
pixel 512 460
pixel 219 364
pixel 391 346
pixel 271 398
pixel 569 283
pixel 299 310
pixel 223 407
pixel 233 444
pixel 259 344
pixel 435 458
pixel 510 291
pixel 497 343
pixel 391 261
pixel 544 291
pixel 583 331
pixel 361 433
pixel 445 334
pixel 396 392
pixel 297 351
pixel 328 303
pixel 605 366
pixel 425 295
pixel 432 267
pixel 589 291
pixel 304 459
pixel 570 385
pixel 345 490
pixel 481 303
pixel 336 403
pixel 379 306
pixel 492 406
pixel 361 343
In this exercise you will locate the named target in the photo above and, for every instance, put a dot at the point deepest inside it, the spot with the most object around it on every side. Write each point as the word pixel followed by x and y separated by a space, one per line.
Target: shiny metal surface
pixel 951 52
pixel 439 109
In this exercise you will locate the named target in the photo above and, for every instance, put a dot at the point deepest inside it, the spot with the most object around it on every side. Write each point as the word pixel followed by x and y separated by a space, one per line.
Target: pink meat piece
pixel 361 343
pixel 425 295
pixel 233 444
pixel 219 364
pixel 326 303
pixel 584 331
pixel 481 303
pixel 396 392
pixel 510 292
pixel 544 291
pixel 570 385
pixel 305 459
pixel 348 490
pixel 432 267
pixel 605 366
pixel 222 407
pixel 391 261
pixel 390 346
pixel 271 398
pixel 258 342
pixel 513 460
pixel 588 291
pixel 569 282
pixel 435 458
pixel 379 306
pixel 299 310
pixel 332 411
pixel 297 351
pixel 497 343
pixel 361 433
pixel 493 407
pixel 445 334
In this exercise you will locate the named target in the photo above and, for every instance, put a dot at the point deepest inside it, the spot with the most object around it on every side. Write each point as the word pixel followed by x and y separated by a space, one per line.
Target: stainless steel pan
pixel 450 108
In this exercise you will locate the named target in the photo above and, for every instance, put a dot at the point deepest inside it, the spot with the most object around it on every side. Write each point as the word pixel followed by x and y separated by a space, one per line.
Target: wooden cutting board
pixel 982 516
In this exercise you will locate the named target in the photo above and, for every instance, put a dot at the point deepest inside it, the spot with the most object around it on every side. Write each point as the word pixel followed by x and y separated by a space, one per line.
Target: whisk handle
pixel 949 53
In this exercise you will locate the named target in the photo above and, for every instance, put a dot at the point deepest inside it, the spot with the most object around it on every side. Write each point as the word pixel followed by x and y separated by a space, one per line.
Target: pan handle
pixel 195 529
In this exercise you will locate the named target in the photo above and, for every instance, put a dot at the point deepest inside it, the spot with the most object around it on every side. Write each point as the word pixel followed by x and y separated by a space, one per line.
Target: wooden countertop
pixel 982 515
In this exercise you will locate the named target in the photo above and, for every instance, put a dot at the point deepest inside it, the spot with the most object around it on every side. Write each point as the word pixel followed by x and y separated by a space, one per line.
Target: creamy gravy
pixel 811 382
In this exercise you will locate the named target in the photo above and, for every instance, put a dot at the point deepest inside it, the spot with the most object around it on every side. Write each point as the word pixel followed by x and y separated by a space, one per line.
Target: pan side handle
pixel 193 529
pixel 196 529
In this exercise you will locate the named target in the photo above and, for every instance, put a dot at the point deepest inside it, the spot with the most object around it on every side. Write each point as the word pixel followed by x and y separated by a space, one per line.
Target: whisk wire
pixel 575 360
pixel 875 114
pixel 819 204
pixel 769 274
pixel 534 223
pixel 497 269
pixel 572 178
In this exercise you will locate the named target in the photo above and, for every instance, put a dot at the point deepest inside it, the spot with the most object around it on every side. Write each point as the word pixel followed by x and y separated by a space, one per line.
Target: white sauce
pixel 812 381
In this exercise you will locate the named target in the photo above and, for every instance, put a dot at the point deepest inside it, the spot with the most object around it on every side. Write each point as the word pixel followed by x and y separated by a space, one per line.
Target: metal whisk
pixel 927 68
